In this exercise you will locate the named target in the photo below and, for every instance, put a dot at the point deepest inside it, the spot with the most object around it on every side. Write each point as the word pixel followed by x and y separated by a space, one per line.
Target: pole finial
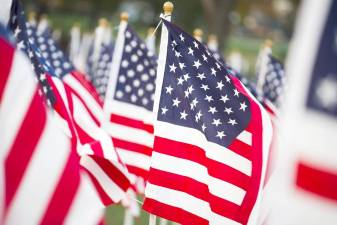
pixel 124 16
pixel 168 8
pixel 197 33
pixel 102 22
pixel 268 43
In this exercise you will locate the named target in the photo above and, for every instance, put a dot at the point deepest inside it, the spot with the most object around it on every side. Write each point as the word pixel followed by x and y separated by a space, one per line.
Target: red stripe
pixel 64 193
pixel 317 180
pixel 73 92
pixel 106 200
pixel 114 173
pixel 126 121
pixel 6 56
pixel 134 147
pixel 241 148
pixel 196 189
pixel 25 143
pixel 138 171
pixel 172 213
pixel 196 154
pixel 88 86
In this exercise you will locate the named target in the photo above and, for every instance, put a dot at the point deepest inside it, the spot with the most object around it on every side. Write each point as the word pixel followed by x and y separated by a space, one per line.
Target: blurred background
pixel 240 25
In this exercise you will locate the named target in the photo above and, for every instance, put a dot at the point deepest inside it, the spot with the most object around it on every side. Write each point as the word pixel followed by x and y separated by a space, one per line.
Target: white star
pixel 212 110
pixel 220 85
pixel 190 89
pixel 326 92
pixel 164 110
pixel 180 80
pixel 177 54
pixel 232 122
pixel 228 110
pixel 209 98
pixel 172 68
pixel 182 66
pixel 17 31
pixel 218 65
pixel 204 57
pixel 174 43
pixel 213 71
pixel 220 134
pixel 21 45
pixel 227 79
pixel 205 87
pixel 196 45
pixel 190 51
pixel 198 116
pixel 236 92
pixel 201 76
pixel 216 122
pixel 186 77
pixel 182 37
pixel 183 115
pixel 224 98
pixel 197 64
pixel 194 104
pixel 203 127
pixel 243 106
pixel 176 102
pixel 169 89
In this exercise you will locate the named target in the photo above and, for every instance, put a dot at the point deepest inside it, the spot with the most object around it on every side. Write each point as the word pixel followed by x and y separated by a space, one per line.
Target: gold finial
pixel 124 16
pixel 197 33
pixel 268 43
pixel 150 31
pixel 102 22
pixel 212 38
pixel 168 8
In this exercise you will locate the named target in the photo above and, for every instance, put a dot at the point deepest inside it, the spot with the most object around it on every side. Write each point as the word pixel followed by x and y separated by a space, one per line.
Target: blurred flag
pixel 42 182
pixel 211 139
pixel 78 105
pixel 271 78
pixel 74 43
pixel 303 187
pixel 151 40
pixel 129 101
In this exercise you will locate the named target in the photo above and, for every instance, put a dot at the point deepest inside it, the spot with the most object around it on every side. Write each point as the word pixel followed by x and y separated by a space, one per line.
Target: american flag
pixel 305 178
pixel 129 101
pixel 78 105
pixel 274 82
pixel 209 152
pixel 41 178
pixel 100 76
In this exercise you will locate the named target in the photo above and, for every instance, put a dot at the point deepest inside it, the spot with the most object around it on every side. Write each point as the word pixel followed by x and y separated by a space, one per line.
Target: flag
pixel 303 186
pixel 211 139
pixel 77 103
pixel 41 178
pixel 129 101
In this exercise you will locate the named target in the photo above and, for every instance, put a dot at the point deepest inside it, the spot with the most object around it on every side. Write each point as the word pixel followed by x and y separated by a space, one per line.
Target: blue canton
pixel 198 91
pixel 322 95
pixel 137 73
pixel 274 81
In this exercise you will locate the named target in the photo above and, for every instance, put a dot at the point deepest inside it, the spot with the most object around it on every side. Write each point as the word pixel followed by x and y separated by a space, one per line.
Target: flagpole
pixel 168 9
pixel 115 64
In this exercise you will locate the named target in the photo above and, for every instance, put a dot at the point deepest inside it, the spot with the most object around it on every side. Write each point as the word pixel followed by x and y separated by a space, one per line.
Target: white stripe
pixel 5 10
pixel 186 202
pixel 130 134
pixel 40 178
pixel 128 110
pixel 245 137
pixel 213 150
pixel 16 99
pixel 109 187
pixel 86 208
pixel 198 172
pixel 134 158
pixel 85 121
pixel 89 100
